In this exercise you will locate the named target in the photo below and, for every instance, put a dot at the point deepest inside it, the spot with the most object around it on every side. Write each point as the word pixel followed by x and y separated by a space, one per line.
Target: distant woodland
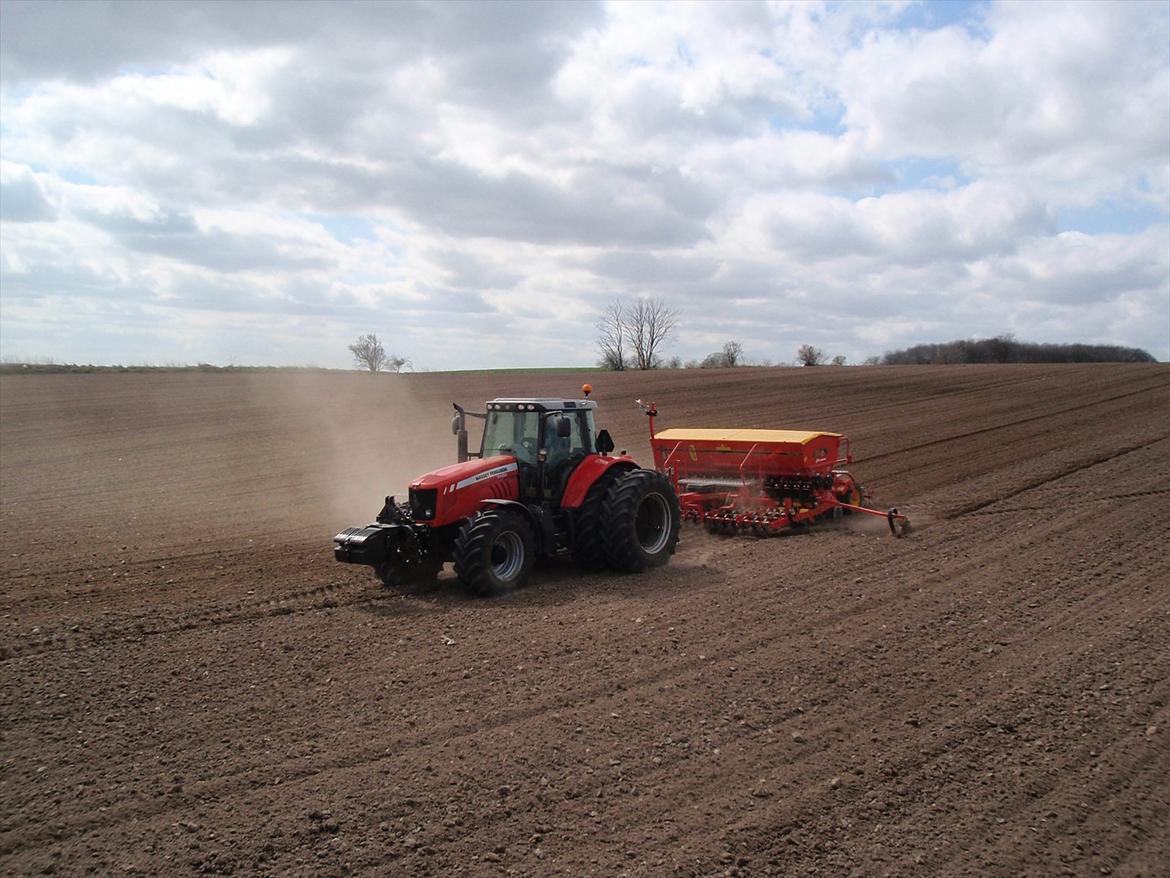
pixel 1005 349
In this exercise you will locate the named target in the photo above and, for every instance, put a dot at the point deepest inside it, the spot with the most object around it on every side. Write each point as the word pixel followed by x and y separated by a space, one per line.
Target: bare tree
pixel 397 364
pixel 810 356
pixel 729 357
pixel 611 341
pixel 649 324
pixel 368 353
pixel 839 360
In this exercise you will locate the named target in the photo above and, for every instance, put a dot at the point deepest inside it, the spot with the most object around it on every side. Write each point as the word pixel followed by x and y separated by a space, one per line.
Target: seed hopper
pixel 761 481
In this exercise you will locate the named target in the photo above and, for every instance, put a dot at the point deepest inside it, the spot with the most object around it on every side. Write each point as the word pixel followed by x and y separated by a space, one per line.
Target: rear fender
pixel 587 473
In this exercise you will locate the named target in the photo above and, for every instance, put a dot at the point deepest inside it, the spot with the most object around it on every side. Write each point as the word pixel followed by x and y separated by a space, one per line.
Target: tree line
pixel 631 335
pixel 1005 349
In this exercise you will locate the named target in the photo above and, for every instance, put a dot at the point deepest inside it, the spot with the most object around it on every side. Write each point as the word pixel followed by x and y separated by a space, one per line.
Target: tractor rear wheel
pixel 587 550
pixel 494 552
pixel 639 521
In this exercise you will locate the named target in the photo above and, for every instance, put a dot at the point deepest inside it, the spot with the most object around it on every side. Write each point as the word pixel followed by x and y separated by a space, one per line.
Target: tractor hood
pixel 463 474
pixel 455 492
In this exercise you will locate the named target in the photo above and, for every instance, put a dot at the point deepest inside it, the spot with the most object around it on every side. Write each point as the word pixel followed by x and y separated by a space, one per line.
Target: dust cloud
pixel 166 459
pixel 356 438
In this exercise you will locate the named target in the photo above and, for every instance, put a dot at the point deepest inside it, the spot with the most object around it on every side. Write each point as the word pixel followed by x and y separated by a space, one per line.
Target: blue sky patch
pixel 346 229
pixel 937 14
pixel 1109 219
pixel 78 176
pixel 927 173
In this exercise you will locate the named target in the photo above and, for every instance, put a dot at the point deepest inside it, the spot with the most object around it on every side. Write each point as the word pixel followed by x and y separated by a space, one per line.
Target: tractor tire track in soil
pixel 1047 416
pixel 1077 467
pixel 304 601
pixel 190 684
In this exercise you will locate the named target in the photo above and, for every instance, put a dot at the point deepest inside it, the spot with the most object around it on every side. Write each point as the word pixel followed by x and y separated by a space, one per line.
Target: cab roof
pixel 513 404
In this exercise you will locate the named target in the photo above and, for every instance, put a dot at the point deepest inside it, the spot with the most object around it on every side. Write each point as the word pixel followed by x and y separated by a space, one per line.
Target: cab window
pixel 576 445
pixel 512 433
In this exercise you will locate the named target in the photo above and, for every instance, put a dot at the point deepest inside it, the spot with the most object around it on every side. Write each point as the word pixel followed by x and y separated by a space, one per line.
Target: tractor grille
pixel 422 503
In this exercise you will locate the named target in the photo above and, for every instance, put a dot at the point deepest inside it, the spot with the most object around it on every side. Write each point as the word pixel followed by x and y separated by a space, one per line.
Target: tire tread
pixel 472 559
pixel 588 551
pixel 618 510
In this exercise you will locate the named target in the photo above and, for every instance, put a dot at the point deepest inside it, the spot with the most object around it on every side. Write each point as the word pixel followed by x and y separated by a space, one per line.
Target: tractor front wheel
pixel 640 521
pixel 393 573
pixel 494 552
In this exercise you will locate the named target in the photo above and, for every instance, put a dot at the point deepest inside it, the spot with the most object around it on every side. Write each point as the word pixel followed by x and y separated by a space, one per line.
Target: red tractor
pixel 542 483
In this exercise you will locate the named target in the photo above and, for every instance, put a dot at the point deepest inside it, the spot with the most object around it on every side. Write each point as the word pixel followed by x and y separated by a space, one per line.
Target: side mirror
pixel 564 428
pixel 604 442
pixel 455 425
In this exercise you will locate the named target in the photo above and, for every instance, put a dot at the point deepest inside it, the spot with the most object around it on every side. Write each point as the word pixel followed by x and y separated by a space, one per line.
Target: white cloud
pixel 472 181
pixel 1072 100
pixel 22 195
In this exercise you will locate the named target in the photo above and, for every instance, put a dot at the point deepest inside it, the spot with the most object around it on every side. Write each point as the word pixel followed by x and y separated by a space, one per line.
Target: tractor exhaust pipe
pixel 459 428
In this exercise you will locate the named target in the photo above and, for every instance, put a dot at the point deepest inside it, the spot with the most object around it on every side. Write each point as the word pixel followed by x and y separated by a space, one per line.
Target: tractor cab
pixel 548 438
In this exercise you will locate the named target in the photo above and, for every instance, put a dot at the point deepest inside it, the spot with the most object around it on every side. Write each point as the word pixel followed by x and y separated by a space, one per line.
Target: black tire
pixel 390 574
pixel 494 552
pixel 639 521
pixel 587 549
pixel 393 573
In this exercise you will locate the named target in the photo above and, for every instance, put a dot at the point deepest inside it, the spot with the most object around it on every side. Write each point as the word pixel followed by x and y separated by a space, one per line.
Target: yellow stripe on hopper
pixel 698 435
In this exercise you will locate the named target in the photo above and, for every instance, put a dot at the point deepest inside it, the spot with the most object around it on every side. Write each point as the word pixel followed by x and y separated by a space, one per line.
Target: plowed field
pixel 190 684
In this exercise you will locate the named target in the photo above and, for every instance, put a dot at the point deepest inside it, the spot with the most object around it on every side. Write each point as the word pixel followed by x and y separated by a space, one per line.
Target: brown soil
pixel 190 684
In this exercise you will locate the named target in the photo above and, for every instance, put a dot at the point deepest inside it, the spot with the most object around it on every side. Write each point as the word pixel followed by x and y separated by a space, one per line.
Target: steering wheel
pixel 529 445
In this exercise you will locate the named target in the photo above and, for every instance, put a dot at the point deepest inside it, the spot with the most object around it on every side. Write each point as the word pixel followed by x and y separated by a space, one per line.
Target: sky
pixel 259 183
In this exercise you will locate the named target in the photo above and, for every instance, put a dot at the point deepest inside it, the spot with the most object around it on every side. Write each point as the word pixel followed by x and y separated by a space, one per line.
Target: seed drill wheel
pixel 899 525
pixel 855 496
pixel 494 552
pixel 639 521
